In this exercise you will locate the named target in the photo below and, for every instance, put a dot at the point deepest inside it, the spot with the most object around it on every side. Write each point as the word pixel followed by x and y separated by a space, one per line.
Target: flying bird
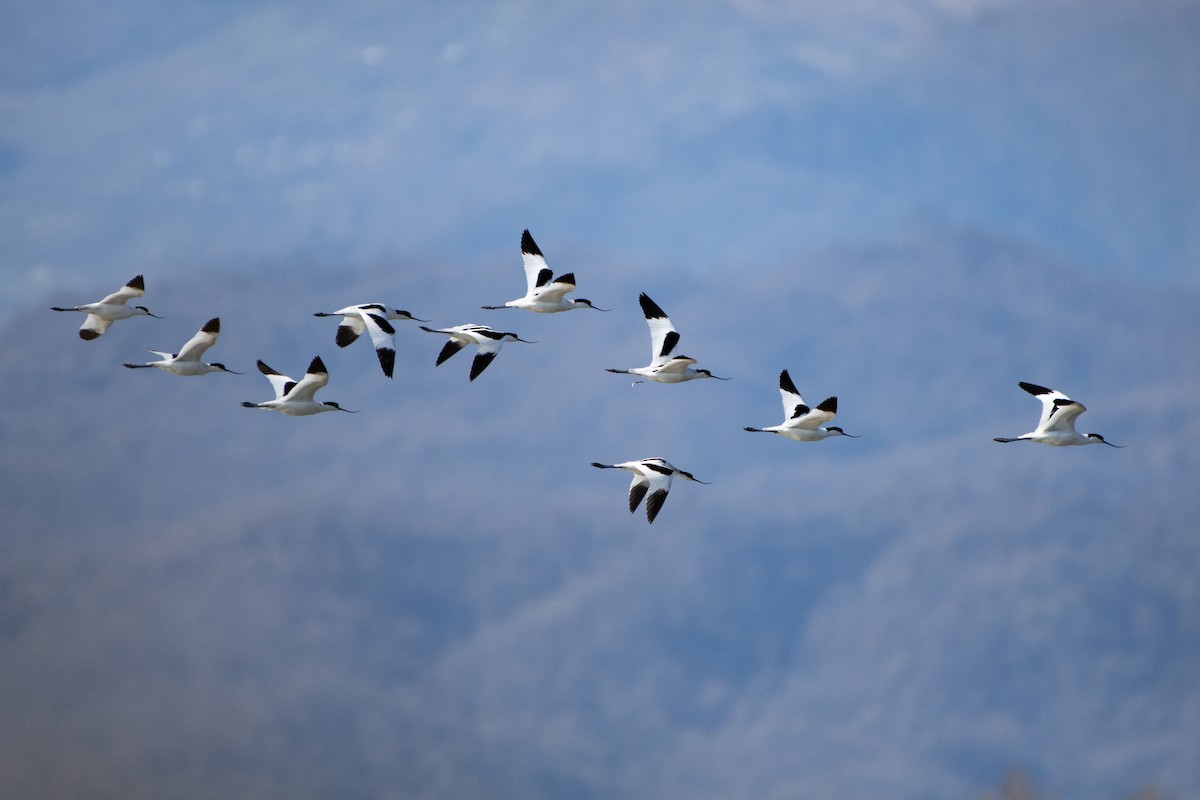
pixel 187 361
pixel 651 476
pixel 114 307
pixel 295 398
pixel 1057 424
pixel 799 421
pixel 488 343
pixel 370 318
pixel 544 293
pixel 665 365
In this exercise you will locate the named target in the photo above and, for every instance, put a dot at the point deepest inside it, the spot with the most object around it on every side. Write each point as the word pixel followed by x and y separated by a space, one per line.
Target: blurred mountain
pixel 437 597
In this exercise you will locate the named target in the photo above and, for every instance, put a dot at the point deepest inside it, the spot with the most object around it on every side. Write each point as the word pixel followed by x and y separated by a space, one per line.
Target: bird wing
pixel 135 288
pixel 350 328
pixel 279 382
pixel 490 342
pixel 1058 410
pixel 93 326
pixel 676 365
pixel 663 336
pixel 205 338
pixel 537 273
pixel 555 289
pixel 790 396
pixel 637 490
pixel 812 418
pixel 314 378
pixel 382 337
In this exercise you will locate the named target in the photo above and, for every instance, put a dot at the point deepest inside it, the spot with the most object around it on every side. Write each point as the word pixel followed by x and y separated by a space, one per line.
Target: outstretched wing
pixel 279 382
pixel 637 490
pixel 205 338
pixel 314 378
pixel 382 337
pixel 790 396
pixel 537 273
pixel 1058 410
pixel 555 289
pixel 93 326
pixel 135 288
pixel 813 418
pixel 663 336
pixel 350 328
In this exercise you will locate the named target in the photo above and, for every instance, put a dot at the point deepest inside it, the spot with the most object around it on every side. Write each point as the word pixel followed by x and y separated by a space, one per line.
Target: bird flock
pixel 544 294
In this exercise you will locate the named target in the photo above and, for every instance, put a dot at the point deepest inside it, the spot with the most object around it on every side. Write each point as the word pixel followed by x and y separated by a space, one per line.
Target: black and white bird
pixel 799 421
pixel 187 360
pixel 488 343
pixel 666 366
pixel 113 307
pixel 651 480
pixel 373 318
pixel 295 398
pixel 544 293
pixel 1057 424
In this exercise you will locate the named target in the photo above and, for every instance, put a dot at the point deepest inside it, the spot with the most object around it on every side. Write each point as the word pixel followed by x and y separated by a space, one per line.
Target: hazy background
pixel 910 205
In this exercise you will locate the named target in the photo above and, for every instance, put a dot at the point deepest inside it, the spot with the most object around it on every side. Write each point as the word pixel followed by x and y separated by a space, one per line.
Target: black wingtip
pixel 264 369
pixel 212 326
pixel 387 360
pixel 137 282
pixel 528 245
pixel 1033 388
pixel 828 405
pixel 317 366
pixel 650 309
pixel 87 335
pixel 785 383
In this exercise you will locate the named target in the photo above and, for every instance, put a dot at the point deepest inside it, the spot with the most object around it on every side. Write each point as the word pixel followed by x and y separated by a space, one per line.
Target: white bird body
pixel 651 480
pixel 665 365
pixel 544 294
pixel 1057 424
pixel 370 318
pixel 113 307
pixel 800 422
pixel 296 398
pixel 187 361
pixel 487 341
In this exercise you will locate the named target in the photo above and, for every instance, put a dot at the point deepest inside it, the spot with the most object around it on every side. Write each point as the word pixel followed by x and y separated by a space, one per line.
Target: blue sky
pixel 142 133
